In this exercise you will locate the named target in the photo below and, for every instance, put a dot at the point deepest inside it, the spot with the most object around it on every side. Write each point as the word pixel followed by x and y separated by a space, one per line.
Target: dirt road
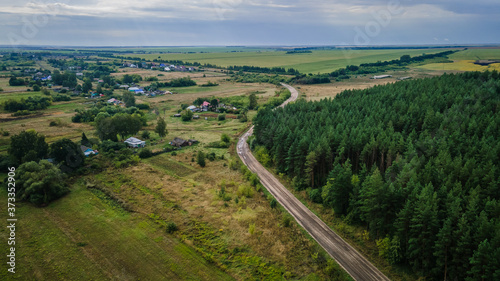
pixel 345 255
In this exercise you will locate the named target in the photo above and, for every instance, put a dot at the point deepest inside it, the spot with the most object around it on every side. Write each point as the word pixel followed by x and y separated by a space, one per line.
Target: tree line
pixel 416 162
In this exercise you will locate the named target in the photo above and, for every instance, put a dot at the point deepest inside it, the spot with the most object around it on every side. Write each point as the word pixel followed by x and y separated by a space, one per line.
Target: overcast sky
pixel 249 22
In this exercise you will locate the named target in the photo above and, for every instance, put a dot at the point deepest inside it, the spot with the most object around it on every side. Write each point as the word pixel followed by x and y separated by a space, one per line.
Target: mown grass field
pixel 321 61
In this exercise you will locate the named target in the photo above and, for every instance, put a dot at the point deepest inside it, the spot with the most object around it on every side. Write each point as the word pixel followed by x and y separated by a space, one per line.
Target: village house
pixel 135 142
pixel 178 142
pixel 115 101
pixel 87 151
pixel 205 105
pixel 136 90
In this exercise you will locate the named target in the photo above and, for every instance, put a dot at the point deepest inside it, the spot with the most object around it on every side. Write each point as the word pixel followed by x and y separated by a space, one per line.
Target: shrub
pixel 245 191
pixel 233 165
pixel 315 195
pixel 171 227
pixel 200 159
pixel 251 228
pixel 146 135
pixel 186 115
pixel 286 221
pixel 143 106
pixel 107 146
pixel 225 138
pixel 273 203
pixel 36 88
pixel 254 179
pixel 59 97
pixel 145 153
pixel 221 117
pixel 211 156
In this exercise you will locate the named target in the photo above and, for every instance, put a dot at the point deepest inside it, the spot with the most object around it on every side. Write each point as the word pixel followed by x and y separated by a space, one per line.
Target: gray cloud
pixel 222 22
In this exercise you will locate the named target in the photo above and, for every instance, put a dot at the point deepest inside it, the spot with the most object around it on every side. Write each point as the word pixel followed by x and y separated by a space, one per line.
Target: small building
pixel 196 117
pixel 87 151
pixel 205 105
pixel 114 101
pixel 381 76
pixel 125 87
pixel 136 90
pixel 191 107
pixel 167 68
pixel 178 142
pixel 177 115
pixel 135 142
pixel 404 78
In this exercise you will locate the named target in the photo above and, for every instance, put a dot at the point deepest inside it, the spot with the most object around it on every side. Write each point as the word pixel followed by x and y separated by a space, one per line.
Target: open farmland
pixel 464 60
pixel 322 61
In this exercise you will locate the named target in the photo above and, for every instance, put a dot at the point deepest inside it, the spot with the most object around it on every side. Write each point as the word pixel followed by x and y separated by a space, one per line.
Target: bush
pixel 187 115
pixel 145 153
pixel 107 146
pixel 143 106
pixel 251 228
pixel 273 203
pixel 245 191
pixel 36 88
pixel 218 144
pixel 286 221
pixel 315 195
pixel 233 165
pixel 40 183
pixel 146 135
pixel 221 117
pixel 225 138
pixel 171 227
pixel 59 97
pixel 211 156
pixel 200 159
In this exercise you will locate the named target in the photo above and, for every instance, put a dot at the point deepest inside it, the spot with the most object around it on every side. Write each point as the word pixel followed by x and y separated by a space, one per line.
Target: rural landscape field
pixel 226 141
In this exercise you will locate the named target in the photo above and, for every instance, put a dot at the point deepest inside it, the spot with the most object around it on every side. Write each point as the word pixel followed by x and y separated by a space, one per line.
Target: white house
pixel 135 142
pixel 136 90
pixel 381 76
pixel 191 107
pixel 167 68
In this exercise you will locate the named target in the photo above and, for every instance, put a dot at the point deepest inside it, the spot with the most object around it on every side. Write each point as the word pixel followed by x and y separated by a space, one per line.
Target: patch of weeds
pixel 214 248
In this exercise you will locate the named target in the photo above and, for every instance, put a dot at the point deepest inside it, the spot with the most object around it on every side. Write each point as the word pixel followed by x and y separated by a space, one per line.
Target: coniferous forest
pixel 416 162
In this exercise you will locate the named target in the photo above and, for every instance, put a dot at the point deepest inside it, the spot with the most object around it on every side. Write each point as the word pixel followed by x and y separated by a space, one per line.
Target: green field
pixel 85 236
pixel 321 61
pixel 464 61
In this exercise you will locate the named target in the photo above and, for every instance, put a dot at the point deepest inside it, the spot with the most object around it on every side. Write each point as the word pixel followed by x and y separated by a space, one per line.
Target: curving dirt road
pixel 346 256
